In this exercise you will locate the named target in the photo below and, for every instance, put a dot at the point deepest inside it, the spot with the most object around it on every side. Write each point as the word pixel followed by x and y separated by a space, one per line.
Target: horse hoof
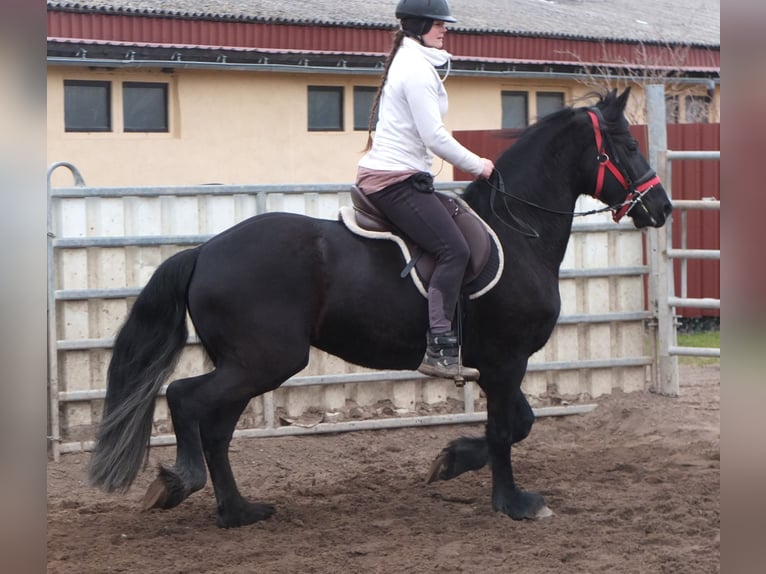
pixel 438 467
pixel 544 512
pixel 156 495
pixel 521 505
pixel 167 491
pixel 247 513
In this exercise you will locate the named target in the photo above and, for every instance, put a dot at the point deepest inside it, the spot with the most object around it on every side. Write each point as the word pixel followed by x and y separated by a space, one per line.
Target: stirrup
pixel 442 359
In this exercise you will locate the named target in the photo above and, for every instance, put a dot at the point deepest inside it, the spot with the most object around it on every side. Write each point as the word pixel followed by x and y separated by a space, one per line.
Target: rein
pixel 636 191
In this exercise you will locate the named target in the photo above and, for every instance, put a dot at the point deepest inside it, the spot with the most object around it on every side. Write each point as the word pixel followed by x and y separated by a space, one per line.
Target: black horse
pixel 264 291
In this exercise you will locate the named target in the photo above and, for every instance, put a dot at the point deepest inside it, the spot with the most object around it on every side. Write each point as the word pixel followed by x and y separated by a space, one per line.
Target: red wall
pixel 691 179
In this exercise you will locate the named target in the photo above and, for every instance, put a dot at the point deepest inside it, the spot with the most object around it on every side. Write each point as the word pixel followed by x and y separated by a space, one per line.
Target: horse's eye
pixel 632 145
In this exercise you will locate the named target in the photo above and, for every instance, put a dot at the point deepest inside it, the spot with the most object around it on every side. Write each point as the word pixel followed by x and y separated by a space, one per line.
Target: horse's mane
pixel 548 125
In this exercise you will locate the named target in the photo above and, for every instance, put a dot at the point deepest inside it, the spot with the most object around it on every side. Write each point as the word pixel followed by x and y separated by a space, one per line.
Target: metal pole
pixel 54 436
pixel 666 379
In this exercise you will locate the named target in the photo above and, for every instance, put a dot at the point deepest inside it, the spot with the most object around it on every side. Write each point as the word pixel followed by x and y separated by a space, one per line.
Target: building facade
pixel 166 93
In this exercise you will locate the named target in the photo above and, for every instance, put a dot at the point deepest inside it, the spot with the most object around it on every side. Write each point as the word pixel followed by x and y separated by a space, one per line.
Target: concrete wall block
pixel 600 342
pixel 405 394
pixel 287 202
pixel 368 394
pixel 570 255
pixel 567 384
pixel 161 412
pixel 75 372
pixel 220 214
pixel 245 206
pixel 107 268
pixel 437 391
pixel 601 382
pixel 72 269
pixel 568 288
pixel 333 397
pixel 193 362
pixel 628 294
pixel 566 343
pixel 594 249
pixel 99 366
pixel 311 204
pixel 142 216
pixel 178 215
pixel 109 315
pixel 539 356
pixel 143 263
pixel 327 206
pixel 634 379
pixel 73 320
pixel 76 415
pixel 535 386
pixel 252 417
pixel 70 219
pixel 597 295
pixel 296 401
pixel 629 248
pixel 106 216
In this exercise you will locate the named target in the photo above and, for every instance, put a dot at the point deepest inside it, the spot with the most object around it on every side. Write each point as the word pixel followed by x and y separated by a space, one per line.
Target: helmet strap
pixel 416 27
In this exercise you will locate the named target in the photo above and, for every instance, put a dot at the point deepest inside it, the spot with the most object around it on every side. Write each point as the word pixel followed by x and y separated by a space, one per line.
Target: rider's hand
pixel 488 168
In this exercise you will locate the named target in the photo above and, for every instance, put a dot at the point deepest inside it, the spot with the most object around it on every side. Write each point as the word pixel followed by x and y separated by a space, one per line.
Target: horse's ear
pixel 622 101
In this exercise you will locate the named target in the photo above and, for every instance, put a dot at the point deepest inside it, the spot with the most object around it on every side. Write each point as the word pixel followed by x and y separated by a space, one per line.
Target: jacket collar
pixel 434 56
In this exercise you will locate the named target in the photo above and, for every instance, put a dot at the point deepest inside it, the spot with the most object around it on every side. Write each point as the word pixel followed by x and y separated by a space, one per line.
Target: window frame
pixel 525 95
pixel 166 109
pixel 108 106
pixel 316 89
pixel 694 103
pixel 545 93
pixel 373 90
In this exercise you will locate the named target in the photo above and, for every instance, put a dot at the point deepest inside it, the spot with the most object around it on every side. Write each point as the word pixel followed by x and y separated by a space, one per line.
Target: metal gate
pixel 104 244
pixel 664 253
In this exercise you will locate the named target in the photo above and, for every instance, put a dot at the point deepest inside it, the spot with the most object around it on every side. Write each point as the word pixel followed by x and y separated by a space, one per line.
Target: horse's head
pixel 624 179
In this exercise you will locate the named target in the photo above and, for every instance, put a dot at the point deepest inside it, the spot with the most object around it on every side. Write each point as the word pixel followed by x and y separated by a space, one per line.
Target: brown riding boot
pixel 443 360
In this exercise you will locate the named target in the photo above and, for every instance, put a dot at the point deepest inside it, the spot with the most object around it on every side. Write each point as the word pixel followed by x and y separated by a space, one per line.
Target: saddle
pixel 486 261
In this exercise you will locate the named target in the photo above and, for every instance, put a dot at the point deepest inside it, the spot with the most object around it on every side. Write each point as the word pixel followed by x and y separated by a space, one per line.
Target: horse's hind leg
pixel 174 484
pixel 217 429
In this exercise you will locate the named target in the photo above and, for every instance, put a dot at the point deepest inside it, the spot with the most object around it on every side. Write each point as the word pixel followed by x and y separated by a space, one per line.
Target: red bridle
pixel 635 190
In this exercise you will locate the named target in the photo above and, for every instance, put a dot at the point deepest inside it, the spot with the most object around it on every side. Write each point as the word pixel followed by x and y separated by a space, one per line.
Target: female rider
pixel 395 172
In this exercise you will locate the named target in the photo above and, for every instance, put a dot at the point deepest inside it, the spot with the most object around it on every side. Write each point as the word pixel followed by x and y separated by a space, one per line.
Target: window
pixel 364 97
pixel 87 106
pixel 325 108
pixel 514 110
pixel 697 109
pixel 672 115
pixel 145 107
pixel 549 102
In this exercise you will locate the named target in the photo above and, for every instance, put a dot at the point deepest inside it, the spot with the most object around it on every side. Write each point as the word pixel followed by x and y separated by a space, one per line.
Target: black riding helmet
pixel 430 9
pixel 417 16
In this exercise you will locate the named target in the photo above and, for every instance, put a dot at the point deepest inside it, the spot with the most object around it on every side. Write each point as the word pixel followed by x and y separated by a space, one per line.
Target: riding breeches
pixel 424 219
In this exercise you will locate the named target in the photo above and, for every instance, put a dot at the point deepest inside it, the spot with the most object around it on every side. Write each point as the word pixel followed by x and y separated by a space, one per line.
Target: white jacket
pixel 410 128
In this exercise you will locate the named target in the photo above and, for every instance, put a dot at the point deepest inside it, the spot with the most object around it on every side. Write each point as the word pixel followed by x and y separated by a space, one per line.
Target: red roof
pixel 490 48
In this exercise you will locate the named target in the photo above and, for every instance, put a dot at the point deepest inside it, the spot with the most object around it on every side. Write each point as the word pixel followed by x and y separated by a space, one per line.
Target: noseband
pixel 636 190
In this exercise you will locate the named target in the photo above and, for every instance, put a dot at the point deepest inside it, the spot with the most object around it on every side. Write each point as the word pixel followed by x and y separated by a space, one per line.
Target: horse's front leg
pixel 502 393
pixel 471 453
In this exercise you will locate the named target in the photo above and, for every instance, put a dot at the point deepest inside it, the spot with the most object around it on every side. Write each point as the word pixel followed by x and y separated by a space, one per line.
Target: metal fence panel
pixel 105 243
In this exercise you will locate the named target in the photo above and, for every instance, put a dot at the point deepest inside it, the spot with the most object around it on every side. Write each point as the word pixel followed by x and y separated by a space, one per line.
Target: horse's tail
pixel 145 352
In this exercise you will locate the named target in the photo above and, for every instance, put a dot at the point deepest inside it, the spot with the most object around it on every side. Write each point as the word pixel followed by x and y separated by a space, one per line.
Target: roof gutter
pixel 352 71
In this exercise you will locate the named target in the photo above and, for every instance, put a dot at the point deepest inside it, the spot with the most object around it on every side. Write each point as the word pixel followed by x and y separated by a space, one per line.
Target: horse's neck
pixel 548 184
